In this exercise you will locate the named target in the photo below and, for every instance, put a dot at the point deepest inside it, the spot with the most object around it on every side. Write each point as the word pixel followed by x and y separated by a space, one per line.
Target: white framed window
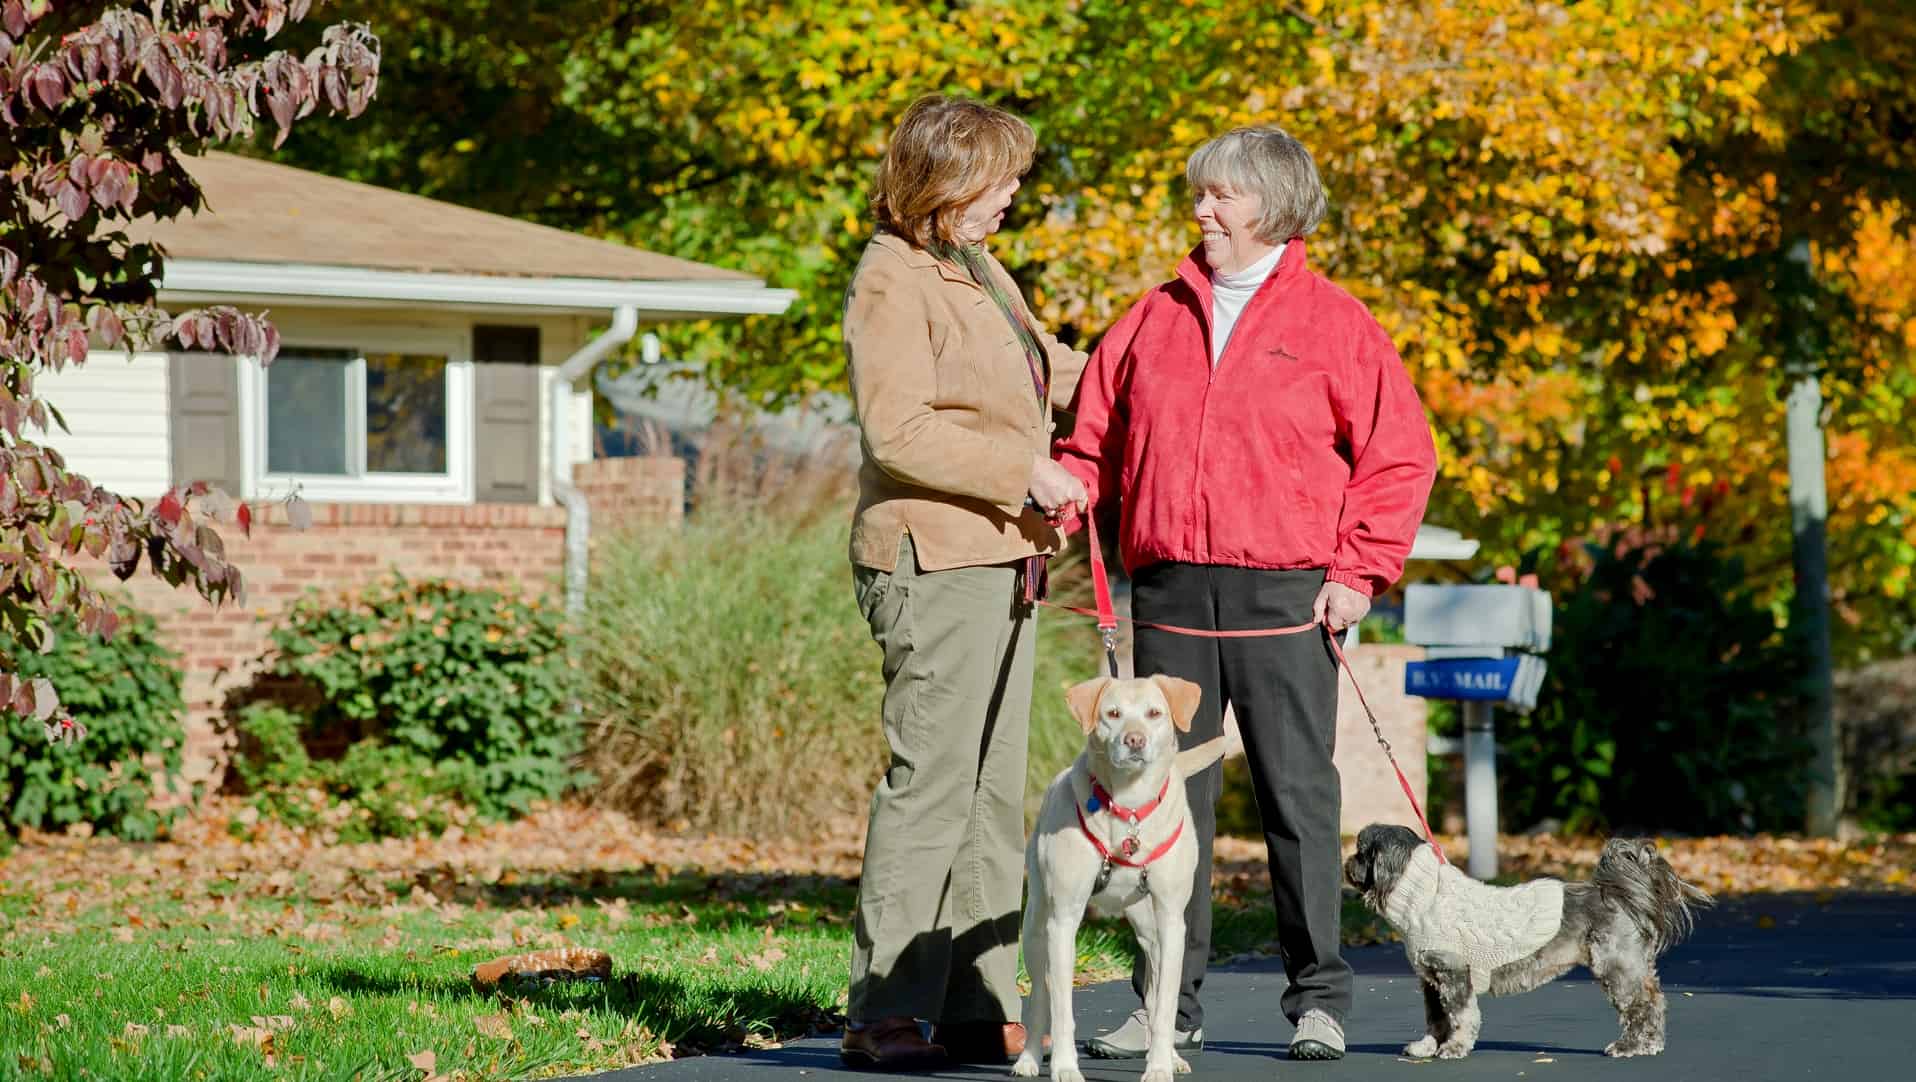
pixel 387 419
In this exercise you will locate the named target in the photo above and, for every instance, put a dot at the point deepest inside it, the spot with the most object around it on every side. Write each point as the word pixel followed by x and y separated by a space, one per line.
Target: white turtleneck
pixel 1231 292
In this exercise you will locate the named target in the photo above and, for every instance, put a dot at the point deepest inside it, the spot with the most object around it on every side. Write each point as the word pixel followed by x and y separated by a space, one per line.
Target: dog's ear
pixel 1183 696
pixel 1083 700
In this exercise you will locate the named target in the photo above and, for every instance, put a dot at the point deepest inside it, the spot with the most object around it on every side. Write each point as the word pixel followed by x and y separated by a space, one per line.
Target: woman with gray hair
pixel 1269 461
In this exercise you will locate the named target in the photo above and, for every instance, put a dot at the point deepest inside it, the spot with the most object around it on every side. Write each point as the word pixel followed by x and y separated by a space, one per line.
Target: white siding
pixel 118 409
pixel 578 434
pixel 117 412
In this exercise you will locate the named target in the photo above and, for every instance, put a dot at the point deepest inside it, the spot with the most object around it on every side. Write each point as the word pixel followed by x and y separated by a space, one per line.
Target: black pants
pixel 1284 691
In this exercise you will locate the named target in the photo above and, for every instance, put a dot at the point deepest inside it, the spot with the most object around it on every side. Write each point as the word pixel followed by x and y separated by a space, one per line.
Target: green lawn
pixel 116 965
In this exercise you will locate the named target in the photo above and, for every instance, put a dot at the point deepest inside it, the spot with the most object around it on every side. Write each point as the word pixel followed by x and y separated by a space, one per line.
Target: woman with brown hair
pixel 953 382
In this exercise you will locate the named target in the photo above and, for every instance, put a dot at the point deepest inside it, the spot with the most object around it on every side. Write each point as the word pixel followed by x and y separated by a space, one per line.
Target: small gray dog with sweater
pixel 1466 938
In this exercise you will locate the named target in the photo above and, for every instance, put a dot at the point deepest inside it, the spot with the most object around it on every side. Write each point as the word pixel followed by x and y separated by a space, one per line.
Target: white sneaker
pixel 1133 1039
pixel 1318 1036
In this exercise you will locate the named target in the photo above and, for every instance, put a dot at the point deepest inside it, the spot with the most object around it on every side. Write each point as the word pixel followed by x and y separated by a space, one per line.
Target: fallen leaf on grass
pixel 134 1029
pixel 494 1025
pixel 338 1007
pixel 563 963
pixel 179 1031
pixel 427 1061
pixel 300 1002
pixel 257 1036
pixel 61 1021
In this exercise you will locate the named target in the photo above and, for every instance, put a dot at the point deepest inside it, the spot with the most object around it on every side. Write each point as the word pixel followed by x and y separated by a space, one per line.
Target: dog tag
pixel 1128 847
pixel 1104 877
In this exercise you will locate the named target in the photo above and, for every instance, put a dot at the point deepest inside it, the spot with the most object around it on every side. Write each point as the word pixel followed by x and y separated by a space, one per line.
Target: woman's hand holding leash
pixel 1338 606
pixel 1054 490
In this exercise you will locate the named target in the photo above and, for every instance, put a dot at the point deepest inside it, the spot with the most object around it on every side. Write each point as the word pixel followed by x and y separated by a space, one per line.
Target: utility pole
pixel 1809 510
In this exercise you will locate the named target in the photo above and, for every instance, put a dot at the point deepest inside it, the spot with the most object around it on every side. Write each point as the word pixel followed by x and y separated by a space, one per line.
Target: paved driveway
pixel 1777 987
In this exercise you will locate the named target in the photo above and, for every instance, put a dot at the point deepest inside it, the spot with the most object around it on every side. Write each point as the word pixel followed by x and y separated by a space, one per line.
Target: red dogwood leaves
pixel 101 102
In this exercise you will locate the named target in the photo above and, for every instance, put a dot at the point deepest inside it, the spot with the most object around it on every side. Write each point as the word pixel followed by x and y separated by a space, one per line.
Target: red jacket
pixel 1306 447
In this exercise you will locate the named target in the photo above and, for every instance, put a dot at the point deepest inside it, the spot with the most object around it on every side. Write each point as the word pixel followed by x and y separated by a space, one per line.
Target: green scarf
pixel 977 264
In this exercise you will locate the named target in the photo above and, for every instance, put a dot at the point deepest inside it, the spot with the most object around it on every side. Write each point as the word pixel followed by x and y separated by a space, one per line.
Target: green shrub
pixel 126 692
pixel 1672 702
pixel 432 686
pixel 731 681
pixel 1875 706
pixel 373 791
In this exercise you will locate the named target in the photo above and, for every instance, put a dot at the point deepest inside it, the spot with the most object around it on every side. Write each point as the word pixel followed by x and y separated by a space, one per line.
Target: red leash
pixel 1107 616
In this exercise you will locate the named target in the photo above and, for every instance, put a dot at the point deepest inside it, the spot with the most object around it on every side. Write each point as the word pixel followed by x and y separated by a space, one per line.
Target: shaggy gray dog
pixel 1467 938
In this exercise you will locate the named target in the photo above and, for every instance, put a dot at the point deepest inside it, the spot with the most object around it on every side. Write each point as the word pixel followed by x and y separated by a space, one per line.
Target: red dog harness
pixel 1128 848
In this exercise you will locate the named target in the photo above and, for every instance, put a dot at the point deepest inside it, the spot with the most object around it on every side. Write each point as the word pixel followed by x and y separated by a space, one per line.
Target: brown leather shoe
pixel 890 1044
pixel 980 1042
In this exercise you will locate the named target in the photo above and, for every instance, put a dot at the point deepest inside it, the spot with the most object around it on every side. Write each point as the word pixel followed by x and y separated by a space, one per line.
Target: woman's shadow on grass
pixel 670 1006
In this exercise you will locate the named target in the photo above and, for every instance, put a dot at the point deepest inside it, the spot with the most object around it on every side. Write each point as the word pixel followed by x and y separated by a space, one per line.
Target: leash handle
pixel 1107 614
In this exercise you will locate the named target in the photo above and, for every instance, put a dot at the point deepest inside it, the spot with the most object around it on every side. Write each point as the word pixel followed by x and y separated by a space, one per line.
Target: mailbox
pixel 1482 643
pixel 1483 646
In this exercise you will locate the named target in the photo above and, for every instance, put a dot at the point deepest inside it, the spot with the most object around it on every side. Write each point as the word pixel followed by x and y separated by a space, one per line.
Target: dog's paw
pixel 1027 1065
pixel 1158 1073
pixel 1452 1050
pixel 1066 1074
pixel 1179 1064
pixel 1422 1048
pixel 1621 1049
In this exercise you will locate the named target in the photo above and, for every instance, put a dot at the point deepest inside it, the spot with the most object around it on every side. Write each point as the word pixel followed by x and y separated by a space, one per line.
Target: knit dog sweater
pixel 1436 907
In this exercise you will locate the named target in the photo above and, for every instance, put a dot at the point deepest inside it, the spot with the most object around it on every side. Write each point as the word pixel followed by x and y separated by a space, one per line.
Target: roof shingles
pixel 264 212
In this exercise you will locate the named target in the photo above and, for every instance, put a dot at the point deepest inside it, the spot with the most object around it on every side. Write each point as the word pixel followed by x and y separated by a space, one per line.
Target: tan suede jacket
pixel 949 420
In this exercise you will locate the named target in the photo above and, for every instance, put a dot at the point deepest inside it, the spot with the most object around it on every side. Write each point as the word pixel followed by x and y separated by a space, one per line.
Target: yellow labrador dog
pixel 1113 834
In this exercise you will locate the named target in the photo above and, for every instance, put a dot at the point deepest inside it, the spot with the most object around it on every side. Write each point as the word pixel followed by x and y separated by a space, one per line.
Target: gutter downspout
pixel 578 516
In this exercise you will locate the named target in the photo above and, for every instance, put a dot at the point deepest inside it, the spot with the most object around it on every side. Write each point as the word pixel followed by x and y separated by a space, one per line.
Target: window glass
pixel 405 413
pixel 307 396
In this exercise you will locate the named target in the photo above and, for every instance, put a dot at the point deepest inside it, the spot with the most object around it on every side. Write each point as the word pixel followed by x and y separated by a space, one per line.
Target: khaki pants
pixel 936 935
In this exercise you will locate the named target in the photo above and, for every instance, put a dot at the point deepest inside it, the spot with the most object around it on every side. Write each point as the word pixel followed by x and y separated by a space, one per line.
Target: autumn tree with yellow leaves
pixel 1570 217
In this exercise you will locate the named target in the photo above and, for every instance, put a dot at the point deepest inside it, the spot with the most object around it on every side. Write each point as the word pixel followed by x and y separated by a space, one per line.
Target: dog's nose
pixel 1134 740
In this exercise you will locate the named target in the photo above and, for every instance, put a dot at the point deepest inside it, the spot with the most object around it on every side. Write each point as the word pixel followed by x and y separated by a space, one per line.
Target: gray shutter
pixel 204 411
pixel 506 412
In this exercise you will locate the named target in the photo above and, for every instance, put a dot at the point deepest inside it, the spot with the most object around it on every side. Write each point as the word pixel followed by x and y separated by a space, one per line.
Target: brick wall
pixel 626 492
pixel 350 545
pixel 1371 792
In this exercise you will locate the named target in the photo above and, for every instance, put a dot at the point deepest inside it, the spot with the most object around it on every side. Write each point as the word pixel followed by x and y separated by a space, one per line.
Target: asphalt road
pixel 1770 987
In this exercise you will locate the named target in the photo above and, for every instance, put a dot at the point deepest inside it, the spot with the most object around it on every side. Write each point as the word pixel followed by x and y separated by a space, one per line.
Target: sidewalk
pixel 1771 987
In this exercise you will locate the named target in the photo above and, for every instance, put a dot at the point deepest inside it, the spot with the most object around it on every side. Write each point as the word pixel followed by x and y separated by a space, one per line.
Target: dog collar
pixel 1101 799
pixel 1111 858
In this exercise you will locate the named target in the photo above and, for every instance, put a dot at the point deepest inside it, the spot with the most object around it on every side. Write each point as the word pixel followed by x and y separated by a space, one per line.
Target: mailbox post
pixel 1480 786
pixel 1483 648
